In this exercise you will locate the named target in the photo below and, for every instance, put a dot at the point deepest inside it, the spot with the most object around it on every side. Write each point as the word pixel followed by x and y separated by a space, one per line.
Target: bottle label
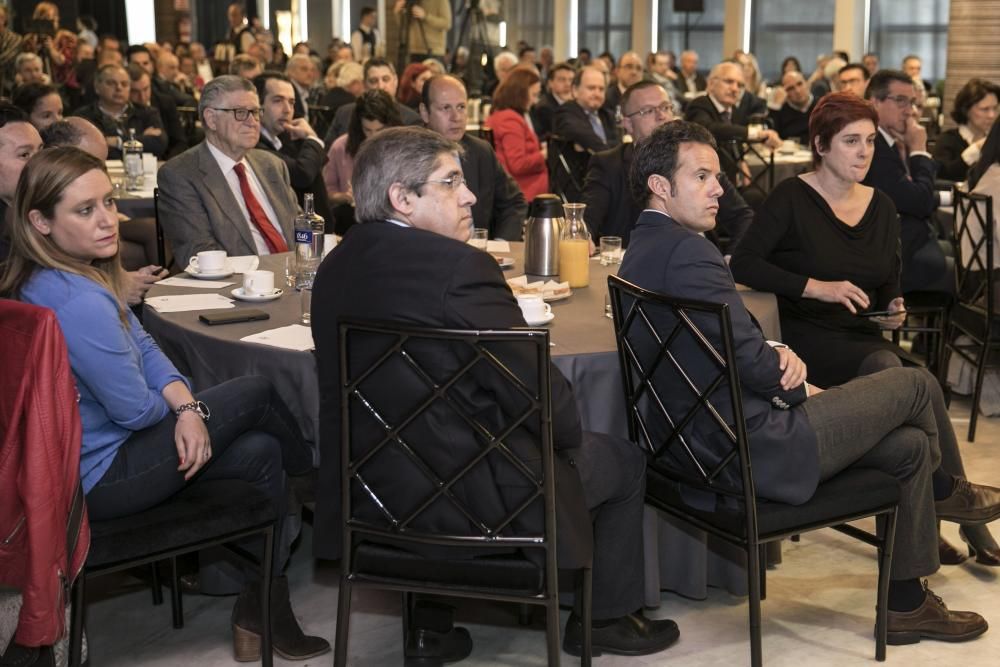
pixel 304 236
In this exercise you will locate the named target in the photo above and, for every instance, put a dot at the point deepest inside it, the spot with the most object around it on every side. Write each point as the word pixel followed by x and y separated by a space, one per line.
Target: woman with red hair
pixel 828 247
pixel 515 141
pixel 411 84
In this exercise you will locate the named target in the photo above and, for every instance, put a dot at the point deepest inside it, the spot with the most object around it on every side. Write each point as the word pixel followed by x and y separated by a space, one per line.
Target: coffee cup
pixel 533 307
pixel 258 283
pixel 209 261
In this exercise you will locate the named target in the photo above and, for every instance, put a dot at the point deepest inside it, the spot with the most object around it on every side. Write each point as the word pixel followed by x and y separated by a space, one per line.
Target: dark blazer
pixel 177 140
pixel 342 120
pixel 702 110
pixel 416 277
pixel 612 98
pixel 305 159
pixel 948 154
pixel 790 123
pixel 611 210
pixel 543 115
pixel 916 201
pixel 667 258
pixel 700 83
pixel 571 123
pixel 136 117
pixel 500 206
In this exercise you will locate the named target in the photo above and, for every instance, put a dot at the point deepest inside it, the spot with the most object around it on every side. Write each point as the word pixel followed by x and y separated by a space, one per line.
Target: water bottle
pixel 132 156
pixel 309 229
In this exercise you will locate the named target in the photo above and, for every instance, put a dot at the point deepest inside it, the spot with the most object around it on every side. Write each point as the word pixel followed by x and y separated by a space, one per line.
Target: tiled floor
pixel 819 611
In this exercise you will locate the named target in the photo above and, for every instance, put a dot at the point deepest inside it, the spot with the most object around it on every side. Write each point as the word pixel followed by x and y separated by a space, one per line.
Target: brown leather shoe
pixel 970 503
pixel 933 620
pixel 949 555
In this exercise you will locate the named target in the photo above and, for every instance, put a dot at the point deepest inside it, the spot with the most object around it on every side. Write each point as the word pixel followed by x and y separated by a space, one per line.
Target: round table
pixel 583 350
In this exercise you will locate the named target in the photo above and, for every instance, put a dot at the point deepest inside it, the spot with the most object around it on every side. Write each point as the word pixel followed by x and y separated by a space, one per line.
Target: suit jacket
pixel 519 152
pixel 667 258
pixel 342 120
pixel 304 159
pixel 702 110
pixel 699 83
pixel 500 206
pixel 419 278
pixel 571 123
pixel 611 210
pixel 543 115
pixel 948 154
pixel 916 201
pixel 199 212
pixel 177 141
pixel 612 98
pixel 136 117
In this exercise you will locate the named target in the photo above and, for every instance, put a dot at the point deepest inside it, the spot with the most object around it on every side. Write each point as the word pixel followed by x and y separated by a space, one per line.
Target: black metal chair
pixel 763 181
pixel 401 388
pixel 567 168
pixel 975 313
pixel 161 242
pixel 714 490
pixel 203 515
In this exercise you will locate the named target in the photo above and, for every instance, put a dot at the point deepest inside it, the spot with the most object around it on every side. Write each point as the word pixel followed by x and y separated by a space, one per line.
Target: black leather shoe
pixel 633 634
pixel 981 545
pixel 949 555
pixel 27 656
pixel 970 503
pixel 427 648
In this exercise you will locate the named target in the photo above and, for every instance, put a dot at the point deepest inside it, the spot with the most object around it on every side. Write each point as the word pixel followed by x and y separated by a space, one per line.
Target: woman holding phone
pixel 145 435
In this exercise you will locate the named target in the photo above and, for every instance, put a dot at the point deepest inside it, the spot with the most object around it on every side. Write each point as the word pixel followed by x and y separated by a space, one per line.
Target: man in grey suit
pixel 799 434
pixel 224 194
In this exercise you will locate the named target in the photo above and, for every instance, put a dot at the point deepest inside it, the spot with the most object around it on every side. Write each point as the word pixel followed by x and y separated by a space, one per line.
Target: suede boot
pixel 287 637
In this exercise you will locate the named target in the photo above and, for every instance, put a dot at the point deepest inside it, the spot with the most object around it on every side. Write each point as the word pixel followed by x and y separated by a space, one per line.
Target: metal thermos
pixel 541 236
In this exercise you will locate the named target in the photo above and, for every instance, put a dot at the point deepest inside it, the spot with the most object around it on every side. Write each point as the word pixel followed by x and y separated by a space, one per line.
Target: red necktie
pixel 274 240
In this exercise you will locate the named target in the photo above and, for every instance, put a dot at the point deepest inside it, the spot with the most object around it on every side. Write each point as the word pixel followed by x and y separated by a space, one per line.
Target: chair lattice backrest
pixel 446 435
pixel 567 167
pixel 763 180
pixel 682 389
pixel 974 230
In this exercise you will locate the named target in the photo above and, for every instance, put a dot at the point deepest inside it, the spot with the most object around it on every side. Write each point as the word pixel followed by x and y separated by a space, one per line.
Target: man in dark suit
pixel 559 90
pixel 799 435
pixel 586 127
pixel 611 210
pixel 628 71
pixel 690 81
pixel 903 169
pixel 163 97
pixel 791 121
pixel 408 262
pixel 115 115
pixel 292 140
pixel 720 111
pixel 500 206
pixel 379 75
pixel 224 194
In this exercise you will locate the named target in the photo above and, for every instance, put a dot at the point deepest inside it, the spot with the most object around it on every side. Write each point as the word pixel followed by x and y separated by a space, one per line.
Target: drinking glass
pixel 290 271
pixel 479 238
pixel 611 250
pixel 307 295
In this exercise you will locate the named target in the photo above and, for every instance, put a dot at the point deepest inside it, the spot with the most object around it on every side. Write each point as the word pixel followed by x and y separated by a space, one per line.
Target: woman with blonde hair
pixel 145 435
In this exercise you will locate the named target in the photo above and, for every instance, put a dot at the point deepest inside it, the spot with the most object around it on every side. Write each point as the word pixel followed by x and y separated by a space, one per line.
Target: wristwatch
pixel 197 407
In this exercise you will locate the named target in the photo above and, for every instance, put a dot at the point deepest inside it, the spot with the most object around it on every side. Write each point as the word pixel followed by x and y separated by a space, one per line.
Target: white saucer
pixel 242 296
pixel 504 262
pixel 556 297
pixel 545 320
pixel 214 275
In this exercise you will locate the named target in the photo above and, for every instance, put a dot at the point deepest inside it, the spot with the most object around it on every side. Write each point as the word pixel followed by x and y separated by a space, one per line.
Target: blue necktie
pixel 595 123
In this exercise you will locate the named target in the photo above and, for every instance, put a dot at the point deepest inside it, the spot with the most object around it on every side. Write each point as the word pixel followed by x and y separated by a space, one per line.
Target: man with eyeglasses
pixel 114 115
pixel 408 262
pixel 903 169
pixel 853 78
pixel 224 194
pixel 611 210
pixel 791 121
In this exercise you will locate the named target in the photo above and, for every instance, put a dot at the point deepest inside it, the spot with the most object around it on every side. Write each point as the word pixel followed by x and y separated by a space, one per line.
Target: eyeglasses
pixel 241 114
pixel 454 181
pixel 664 109
pixel 902 101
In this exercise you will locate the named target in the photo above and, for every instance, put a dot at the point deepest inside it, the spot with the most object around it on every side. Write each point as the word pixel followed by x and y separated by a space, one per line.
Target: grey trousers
pixel 886 422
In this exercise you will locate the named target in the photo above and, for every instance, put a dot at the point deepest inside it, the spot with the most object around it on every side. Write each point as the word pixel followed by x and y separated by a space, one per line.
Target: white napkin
pixel 497 246
pixel 546 288
pixel 183 302
pixel 244 263
pixel 292 337
pixel 174 281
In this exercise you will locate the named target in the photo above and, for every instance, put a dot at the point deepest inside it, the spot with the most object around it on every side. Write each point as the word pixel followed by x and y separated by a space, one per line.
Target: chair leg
pixel 552 630
pixel 266 649
pixel 77 609
pixel 978 392
pixel 588 621
pixel 887 537
pixel 176 601
pixel 524 614
pixel 343 621
pixel 154 583
pixel 762 561
pixel 753 584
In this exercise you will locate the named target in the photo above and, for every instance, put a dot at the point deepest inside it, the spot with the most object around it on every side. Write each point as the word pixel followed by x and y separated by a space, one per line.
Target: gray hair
pixel 404 155
pixel 219 86
pixel 23 58
pixel 504 58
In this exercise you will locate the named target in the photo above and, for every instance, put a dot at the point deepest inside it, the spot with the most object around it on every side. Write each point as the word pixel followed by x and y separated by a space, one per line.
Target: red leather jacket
pixel 39 470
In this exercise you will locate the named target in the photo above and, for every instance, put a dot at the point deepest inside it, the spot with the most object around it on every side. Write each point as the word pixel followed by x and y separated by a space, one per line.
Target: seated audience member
pixel 19 140
pixel 292 140
pixel 611 210
pixel 169 77
pixel 160 95
pixel 824 79
pixel 586 126
pixel 28 69
pixel 138 236
pixel 658 70
pixel 411 84
pixel 719 111
pixel 791 121
pixel 145 435
pixel 559 90
pixel 246 66
pixel 912 66
pixel 224 194
pixel 42 103
pixel 503 64
pixel 826 246
pixel 800 435
pixel 984 179
pixel 755 83
pixel 303 74
pixel 114 115
pixel 628 71
pixel 348 84
pixel 499 206
pixel 690 81
pixel 415 212
pixel 516 143
pixel 975 111
pixel 871 62
pixel 853 78
pixel 379 75
pixel 903 169
pixel 374 111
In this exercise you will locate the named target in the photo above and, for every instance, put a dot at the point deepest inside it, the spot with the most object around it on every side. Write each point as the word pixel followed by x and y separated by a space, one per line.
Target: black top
pixel 137 117
pixel 797 236
pixel 948 154
pixel 500 206
pixel 790 123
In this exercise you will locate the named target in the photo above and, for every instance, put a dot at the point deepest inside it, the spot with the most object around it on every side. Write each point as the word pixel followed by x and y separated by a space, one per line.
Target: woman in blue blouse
pixel 145 436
